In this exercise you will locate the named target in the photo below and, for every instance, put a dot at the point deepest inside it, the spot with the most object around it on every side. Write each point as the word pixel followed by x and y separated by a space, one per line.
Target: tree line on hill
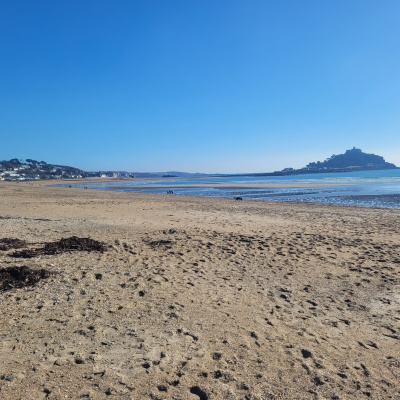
pixel 352 159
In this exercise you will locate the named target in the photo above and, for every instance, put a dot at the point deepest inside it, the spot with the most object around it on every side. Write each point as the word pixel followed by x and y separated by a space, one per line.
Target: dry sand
pixel 200 298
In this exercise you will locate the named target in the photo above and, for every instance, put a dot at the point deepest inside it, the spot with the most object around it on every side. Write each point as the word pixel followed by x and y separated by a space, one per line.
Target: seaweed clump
pixel 19 277
pixel 72 243
pixel 11 243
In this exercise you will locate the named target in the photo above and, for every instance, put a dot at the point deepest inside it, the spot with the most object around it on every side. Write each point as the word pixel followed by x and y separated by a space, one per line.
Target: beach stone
pixel 306 353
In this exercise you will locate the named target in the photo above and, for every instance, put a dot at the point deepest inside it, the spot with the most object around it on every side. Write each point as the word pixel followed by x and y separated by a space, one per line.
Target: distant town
pixel 26 170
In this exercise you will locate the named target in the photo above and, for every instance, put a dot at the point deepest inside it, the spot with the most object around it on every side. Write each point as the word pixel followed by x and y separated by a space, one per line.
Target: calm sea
pixel 366 188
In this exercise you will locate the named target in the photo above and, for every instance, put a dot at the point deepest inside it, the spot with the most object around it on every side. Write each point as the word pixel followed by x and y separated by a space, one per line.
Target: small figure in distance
pixel 238 198
pixel 170 192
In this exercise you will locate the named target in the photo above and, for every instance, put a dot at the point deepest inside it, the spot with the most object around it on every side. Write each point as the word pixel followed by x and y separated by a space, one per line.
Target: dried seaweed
pixel 72 243
pixel 27 253
pixel 19 277
pixel 11 243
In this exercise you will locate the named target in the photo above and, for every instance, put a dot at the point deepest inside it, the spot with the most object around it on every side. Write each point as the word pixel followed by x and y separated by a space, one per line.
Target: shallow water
pixel 366 188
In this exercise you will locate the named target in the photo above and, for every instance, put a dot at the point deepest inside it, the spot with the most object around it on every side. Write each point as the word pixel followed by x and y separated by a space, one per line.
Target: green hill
pixel 354 159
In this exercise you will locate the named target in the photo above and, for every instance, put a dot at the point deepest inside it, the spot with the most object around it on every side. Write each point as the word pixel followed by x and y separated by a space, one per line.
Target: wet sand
pixel 225 186
pixel 199 298
pixel 147 184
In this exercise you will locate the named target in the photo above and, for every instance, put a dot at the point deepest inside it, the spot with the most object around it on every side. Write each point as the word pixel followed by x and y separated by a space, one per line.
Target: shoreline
pixel 319 193
pixel 222 185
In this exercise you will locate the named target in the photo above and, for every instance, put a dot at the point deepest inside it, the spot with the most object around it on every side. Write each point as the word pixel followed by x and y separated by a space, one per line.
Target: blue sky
pixel 199 86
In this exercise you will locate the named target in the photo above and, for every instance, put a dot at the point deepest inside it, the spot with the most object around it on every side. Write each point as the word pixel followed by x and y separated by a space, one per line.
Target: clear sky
pixel 198 85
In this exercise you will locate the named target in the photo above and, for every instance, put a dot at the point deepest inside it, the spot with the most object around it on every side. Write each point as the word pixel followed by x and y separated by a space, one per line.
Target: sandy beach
pixel 198 298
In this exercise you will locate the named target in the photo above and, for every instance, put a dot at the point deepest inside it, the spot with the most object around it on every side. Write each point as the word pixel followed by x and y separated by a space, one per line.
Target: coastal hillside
pixel 27 170
pixel 23 170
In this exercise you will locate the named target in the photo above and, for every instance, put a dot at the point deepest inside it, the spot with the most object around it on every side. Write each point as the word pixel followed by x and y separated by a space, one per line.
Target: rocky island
pixel 352 160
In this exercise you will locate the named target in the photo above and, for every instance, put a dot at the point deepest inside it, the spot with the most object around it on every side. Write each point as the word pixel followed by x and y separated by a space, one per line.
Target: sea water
pixel 378 188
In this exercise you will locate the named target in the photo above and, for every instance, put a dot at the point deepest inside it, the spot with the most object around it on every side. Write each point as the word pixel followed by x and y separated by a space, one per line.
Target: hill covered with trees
pixel 354 159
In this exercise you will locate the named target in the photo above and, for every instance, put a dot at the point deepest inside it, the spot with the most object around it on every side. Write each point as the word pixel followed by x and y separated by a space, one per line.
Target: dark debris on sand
pixel 19 277
pixel 11 243
pixel 165 243
pixel 27 253
pixel 72 243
